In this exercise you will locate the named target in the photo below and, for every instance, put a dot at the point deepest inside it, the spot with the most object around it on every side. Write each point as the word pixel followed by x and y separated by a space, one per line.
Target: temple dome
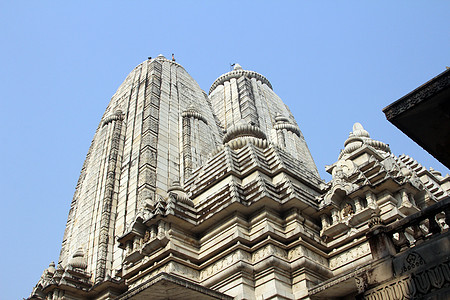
pixel 246 97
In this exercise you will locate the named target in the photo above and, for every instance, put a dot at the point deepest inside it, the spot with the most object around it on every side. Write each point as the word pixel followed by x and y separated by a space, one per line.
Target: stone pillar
pixel 380 243
pixel 405 198
pixel 324 219
pixel 371 200
pixel 358 206
pixel 335 215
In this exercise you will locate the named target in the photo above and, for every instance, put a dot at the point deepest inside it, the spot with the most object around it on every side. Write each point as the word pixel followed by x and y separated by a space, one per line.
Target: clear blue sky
pixel 332 62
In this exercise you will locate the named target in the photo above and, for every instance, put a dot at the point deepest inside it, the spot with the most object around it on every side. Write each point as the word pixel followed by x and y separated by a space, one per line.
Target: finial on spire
pixel 358 130
pixel 359 137
pixel 173 57
pixel 237 67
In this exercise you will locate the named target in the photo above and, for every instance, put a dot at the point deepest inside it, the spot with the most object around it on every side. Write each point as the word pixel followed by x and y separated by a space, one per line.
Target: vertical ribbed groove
pixel 247 101
pixel 148 147
pixel 187 155
pixel 107 200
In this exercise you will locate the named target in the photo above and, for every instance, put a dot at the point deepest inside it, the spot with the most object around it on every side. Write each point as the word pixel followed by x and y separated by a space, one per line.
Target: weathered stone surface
pixel 217 197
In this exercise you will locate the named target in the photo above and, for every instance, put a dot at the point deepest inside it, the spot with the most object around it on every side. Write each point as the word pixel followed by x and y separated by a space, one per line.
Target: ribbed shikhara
pixel 161 129
pixel 157 128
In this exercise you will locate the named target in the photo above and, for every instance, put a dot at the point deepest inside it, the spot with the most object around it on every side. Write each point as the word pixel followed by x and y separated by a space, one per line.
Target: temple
pixel 188 195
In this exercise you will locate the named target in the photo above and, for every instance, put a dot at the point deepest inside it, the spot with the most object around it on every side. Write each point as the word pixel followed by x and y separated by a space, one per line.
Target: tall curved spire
pixel 242 97
pixel 158 126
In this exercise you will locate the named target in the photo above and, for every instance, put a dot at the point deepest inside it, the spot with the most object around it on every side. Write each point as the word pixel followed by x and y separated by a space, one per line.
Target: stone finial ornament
pixel 360 137
pixel 51 268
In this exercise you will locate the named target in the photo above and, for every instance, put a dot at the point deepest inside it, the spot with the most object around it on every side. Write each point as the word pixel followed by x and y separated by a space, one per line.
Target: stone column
pixel 335 215
pixel 324 219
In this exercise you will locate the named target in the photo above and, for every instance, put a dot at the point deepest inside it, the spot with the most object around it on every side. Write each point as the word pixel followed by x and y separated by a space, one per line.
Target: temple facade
pixel 189 195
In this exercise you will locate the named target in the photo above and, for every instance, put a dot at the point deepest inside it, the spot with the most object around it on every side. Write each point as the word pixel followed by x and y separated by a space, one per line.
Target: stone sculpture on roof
pixel 188 195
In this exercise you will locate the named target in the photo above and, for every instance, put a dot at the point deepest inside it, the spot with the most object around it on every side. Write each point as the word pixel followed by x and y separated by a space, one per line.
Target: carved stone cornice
pixel 421 94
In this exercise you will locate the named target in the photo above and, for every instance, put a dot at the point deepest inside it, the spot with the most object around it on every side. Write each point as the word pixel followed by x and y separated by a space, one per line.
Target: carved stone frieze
pixel 425 92
pixel 413 286
pixel 349 256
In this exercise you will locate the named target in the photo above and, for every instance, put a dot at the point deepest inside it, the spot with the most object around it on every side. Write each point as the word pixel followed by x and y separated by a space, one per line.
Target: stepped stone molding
pixel 237 74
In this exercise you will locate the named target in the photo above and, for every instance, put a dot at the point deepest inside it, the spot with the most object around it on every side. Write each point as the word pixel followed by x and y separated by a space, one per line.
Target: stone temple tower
pixel 187 195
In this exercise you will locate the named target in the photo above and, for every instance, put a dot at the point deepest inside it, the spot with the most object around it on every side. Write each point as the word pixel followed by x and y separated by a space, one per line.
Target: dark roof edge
pixel 428 89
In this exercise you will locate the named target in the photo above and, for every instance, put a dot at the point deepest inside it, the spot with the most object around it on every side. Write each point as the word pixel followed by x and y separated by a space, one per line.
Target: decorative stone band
pixel 193 113
pixel 412 286
pixel 240 142
pixel 117 116
pixel 378 145
pixel 353 143
pixel 289 127
pixel 245 130
pixel 238 74
pixel 421 94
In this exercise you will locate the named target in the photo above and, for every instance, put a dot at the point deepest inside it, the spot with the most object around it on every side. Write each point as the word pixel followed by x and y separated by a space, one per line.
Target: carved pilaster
pixel 247 101
pixel 187 155
pixel 108 196
pixel 148 146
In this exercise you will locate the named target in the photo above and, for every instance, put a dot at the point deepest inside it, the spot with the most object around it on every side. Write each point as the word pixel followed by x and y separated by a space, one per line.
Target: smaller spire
pixel 359 137
pixel 51 268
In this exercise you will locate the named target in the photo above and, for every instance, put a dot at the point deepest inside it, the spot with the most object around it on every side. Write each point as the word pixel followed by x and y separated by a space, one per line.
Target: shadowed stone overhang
pixel 165 286
pixel 424 116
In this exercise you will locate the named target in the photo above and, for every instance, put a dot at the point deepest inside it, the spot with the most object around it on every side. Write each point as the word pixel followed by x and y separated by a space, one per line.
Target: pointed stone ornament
pixel 358 130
